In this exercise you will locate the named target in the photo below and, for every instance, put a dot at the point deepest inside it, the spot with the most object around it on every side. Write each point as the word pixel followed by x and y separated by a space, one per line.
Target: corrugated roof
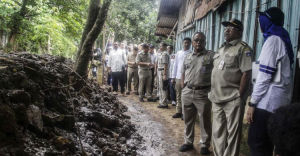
pixel 167 16
pixel 206 6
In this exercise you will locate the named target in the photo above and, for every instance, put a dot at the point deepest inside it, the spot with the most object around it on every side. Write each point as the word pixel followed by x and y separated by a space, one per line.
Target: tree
pixel 133 20
pixel 84 54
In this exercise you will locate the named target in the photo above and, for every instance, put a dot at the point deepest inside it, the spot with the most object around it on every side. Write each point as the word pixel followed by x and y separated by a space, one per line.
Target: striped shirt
pixel 270 96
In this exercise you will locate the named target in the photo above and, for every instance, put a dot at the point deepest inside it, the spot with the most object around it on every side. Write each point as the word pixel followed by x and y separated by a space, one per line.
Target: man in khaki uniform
pixel 230 80
pixel 143 61
pixel 132 71
pixel 176 74
pixel 163 75
pixel 196 80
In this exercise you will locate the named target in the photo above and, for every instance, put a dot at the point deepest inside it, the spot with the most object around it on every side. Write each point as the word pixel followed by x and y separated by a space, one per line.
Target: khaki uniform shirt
pixel 197 68
pixel 163 59
pixel 142 57
pixel 132 58
pixel 236 57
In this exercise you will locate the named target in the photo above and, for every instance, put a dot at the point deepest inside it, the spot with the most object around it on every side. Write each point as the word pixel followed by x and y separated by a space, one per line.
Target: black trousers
pixel 108 79
pixel 118 77
pixel 152 81
pixel 259 140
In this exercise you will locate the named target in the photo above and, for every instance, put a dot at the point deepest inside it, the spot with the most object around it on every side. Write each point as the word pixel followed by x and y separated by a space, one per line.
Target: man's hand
pixel 154 73
pixel 109 71
pixel 182 85
pixel 173 81
pixel 250 113
pixel 165 77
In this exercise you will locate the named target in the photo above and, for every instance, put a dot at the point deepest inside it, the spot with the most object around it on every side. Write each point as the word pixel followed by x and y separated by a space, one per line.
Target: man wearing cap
pixel 196 80
pixel 267 95
pixel 143 61
pixel 132 71
pixel 176 74
pixel 163 75
pixel 229 83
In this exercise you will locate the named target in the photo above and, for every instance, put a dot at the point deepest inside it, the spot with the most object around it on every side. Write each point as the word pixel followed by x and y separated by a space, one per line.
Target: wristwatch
pixel 250 104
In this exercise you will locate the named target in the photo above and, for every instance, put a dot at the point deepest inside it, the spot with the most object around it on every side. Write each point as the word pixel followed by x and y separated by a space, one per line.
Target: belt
pixel 133 67
pixel 161 69
pixel 144 69
pixel 197 87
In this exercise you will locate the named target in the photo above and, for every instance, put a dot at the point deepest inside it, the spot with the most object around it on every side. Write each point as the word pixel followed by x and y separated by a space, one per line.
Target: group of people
pixel 203 82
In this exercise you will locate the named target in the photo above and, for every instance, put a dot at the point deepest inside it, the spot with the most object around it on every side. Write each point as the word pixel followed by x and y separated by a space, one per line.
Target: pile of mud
pixel 47 109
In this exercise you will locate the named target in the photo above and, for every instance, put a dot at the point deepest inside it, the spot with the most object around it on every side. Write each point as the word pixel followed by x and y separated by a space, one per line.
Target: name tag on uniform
pixel 221 65
pixel 203 70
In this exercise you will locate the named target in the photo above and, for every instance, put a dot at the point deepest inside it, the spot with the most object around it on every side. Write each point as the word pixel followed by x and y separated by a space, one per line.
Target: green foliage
pixel 62 21
pixel 41 21
pixel 133 20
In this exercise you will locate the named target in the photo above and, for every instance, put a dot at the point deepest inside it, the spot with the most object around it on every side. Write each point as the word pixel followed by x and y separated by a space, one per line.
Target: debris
pixel 47 109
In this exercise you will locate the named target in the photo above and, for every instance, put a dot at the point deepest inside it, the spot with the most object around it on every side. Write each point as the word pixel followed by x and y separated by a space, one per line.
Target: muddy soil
pixel 162 134
pixel 47 109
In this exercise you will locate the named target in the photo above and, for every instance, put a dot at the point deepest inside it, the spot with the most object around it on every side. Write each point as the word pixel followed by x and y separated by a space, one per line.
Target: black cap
pixel 234 22
pixel 274 14
pixel 151 46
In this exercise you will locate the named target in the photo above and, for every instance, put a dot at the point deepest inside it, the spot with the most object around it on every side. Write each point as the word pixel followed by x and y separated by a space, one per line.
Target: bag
pixel 165 84
pixel 255 70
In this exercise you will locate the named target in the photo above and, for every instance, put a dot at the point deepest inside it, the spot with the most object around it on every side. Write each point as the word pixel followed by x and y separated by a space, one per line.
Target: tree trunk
pixel 1 38
pixel 16 26
pixel 81 65
pixel 94 8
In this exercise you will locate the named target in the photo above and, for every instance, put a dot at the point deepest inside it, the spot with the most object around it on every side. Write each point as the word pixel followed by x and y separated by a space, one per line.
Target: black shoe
pixel 157 98
pixel 137 93
pixel 186 147
pixel 127 93
pixel 142 100
pixel 162 106
pixel 173 104
pixel 177 115
pixel 204 151
pixel 182 118
pixel 151 100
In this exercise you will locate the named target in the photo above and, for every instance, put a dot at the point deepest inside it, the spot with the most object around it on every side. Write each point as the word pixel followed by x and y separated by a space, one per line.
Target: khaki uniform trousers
pixel 196 102
pixel 132 73
pixel 145 78
pixel 178 95
pixel 162 93
pixel 227 127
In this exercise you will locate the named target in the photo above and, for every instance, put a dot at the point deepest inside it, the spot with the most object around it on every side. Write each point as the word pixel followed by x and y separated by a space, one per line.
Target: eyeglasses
pixel 228 28
pixel 198 40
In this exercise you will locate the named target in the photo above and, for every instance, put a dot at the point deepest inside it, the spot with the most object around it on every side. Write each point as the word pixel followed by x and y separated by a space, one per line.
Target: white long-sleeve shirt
pixel 116 60
pixel 171 64
pixel 176 74
pixel 270 96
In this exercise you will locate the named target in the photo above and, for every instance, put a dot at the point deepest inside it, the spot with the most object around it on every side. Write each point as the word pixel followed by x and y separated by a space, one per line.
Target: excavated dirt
pixel 47 109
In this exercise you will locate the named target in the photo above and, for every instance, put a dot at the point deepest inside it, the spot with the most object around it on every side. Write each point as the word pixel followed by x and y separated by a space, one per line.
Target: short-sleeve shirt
pixel 142 57
pixel 163 59
pixel 131 57
pixel 197 68
pixel 236 57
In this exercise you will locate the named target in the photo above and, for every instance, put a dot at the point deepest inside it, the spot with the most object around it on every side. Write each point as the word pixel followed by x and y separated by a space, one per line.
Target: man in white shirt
pixel 116 65
pixel 176 74
pixel 153 59
pixel 268 96
pixel 171 89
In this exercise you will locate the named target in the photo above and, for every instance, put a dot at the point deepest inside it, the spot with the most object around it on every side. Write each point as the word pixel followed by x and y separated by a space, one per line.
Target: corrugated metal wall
pixel 244 10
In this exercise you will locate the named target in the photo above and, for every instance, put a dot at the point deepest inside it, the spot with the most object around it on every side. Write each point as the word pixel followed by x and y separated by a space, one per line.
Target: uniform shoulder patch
pixel 244 43
pixel 247 51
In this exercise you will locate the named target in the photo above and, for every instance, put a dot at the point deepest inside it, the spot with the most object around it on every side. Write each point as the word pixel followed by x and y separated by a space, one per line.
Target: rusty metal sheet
pixel 206 6
pixel 190 8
